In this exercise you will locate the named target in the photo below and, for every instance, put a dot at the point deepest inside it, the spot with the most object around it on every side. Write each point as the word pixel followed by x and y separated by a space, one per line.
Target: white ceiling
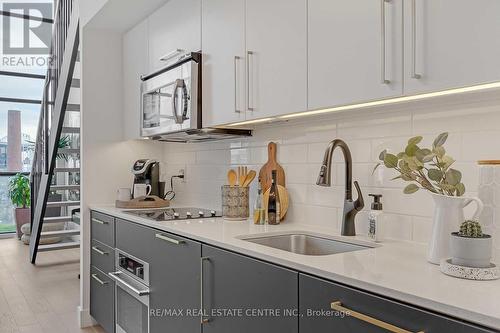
pixel 122 15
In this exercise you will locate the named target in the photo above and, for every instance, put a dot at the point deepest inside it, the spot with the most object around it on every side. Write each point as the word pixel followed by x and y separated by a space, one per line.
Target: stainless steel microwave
pixel 171 108
pixel 171 97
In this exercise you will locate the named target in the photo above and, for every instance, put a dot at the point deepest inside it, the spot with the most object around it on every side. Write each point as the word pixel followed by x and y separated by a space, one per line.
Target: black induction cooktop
pixel 169 214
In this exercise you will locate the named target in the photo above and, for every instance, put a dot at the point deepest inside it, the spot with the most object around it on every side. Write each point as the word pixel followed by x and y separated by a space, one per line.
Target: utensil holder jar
pixel 235 203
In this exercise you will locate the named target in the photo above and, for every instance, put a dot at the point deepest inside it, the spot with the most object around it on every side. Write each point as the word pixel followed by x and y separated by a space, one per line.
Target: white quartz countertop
pixel 395 269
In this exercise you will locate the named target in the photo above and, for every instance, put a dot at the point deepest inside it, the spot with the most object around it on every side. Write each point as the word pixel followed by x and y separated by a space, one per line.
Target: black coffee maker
pixel 147 171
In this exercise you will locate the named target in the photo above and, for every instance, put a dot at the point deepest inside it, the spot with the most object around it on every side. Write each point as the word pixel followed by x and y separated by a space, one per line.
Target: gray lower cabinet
pixel 174 283
pixel 233 282
pixel 174 275
pixel 102 299
pixel 316 296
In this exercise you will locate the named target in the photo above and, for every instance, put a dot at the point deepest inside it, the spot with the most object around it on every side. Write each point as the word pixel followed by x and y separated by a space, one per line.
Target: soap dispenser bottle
pixel 375 219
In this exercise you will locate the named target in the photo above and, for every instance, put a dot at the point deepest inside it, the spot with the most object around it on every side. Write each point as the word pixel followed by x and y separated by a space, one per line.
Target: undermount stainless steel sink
pixel 305 244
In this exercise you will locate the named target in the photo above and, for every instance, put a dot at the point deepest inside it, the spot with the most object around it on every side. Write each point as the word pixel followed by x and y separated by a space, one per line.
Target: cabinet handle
pixel 249 54
pixel 101 282
pixel 203 320
pixel 170 240
pixel 236 58
pixel 337 306
pixel 414 74
pixel 98 250
pixel 171 55
pixel 99 221
pixel 384 80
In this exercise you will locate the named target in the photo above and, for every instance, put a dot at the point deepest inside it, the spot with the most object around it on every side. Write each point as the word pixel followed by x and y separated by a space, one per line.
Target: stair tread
pixel 58 246
pixel 73 107
pixel 66 169
pixel 63 203
pixel 57 219
pixel 65 187
pixel 70 129
pixel 60 233
pixel 69 150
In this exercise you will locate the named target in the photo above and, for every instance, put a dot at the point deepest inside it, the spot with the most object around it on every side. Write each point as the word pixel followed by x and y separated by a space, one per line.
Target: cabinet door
pixel 102 299
pixel 451 43
pixel 355 51
pixel 175 282
pixel 224 76
pixel 276 39
pixel 316 296
pixel 176 25
pixel 135 63
pixel 231 282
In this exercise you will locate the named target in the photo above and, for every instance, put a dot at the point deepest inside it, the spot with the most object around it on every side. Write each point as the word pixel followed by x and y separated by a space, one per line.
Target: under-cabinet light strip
pixel 374 103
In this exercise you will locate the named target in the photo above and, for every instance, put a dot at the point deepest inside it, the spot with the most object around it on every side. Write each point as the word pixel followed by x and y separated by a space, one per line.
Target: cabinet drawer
pixel 102 256
pixel 132 238
pixel 316 295
pixel 103 228
pixel 102 299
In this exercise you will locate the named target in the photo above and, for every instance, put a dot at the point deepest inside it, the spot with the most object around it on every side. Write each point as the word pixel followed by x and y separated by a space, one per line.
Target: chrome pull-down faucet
pixel 351 208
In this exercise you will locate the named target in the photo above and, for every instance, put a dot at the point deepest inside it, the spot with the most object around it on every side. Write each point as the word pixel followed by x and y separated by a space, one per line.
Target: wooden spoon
pixel 232 177
pixel 249 178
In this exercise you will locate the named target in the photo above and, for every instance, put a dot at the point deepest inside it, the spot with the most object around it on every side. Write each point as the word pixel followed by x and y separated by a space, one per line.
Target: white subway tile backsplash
pixel 474 134
pixel 288 154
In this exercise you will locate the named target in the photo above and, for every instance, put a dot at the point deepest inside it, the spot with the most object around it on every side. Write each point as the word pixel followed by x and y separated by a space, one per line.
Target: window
pixel 25 33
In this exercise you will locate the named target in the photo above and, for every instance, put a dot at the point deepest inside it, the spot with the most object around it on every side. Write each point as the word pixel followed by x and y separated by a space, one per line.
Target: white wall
pixel 106 159
pixel 474 134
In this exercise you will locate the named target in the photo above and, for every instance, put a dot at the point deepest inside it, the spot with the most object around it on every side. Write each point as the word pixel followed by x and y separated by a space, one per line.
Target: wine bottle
pixel 273 204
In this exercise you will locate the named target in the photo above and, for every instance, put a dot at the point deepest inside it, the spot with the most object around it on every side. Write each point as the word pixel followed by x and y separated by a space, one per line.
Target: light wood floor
pixel 41 298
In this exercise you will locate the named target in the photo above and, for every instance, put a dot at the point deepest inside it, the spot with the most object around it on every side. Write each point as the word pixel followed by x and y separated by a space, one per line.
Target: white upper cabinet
pixel 276 39
pixel 224 75
pixel 135 63
pixel 355 51
pixel 451 43
pixel 175 26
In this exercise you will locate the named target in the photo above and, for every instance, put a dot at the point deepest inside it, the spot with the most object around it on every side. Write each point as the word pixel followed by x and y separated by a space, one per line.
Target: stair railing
pixel 63 55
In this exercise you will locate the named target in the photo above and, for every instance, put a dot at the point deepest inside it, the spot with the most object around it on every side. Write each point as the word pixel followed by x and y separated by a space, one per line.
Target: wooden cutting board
pixel 265 173
pixel 150 201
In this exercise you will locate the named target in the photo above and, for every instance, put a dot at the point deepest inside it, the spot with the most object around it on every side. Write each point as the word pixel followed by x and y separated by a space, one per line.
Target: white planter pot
pixel 448 215
pixel 470 252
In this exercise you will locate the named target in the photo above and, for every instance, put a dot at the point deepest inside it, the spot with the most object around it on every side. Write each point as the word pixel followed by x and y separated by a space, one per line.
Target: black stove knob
pixel 176 215
pixel 188 215
pixel 212 212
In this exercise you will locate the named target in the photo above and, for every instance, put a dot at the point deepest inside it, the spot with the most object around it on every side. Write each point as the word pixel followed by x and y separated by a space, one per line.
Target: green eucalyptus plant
pixel 425 168
pixel 19 191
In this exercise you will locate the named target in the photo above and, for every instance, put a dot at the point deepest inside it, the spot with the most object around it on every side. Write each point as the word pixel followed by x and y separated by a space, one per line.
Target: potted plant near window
pixel 20 195
pixel 431 169
pixel 469 247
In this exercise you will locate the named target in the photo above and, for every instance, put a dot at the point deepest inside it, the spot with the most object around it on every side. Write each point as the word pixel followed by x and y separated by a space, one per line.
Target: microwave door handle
pixel 179 84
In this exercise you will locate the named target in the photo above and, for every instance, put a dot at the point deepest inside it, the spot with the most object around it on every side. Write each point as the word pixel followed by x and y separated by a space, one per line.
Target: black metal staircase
pixel 58 83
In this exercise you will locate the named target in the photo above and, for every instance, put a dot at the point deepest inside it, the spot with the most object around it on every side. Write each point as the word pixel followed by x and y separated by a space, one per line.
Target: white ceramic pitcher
pixel 448 215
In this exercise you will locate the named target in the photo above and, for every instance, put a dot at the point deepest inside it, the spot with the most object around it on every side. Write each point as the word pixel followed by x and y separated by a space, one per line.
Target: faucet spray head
pixel 324 178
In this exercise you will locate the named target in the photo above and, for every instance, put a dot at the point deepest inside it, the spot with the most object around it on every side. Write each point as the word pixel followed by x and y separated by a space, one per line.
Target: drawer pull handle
pixel 98 250
pixel 101 282
pixel 99 221
pixel 168 239
pixel 337 306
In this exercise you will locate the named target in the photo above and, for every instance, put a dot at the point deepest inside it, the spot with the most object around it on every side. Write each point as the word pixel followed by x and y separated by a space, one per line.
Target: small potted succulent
pixel 469 247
